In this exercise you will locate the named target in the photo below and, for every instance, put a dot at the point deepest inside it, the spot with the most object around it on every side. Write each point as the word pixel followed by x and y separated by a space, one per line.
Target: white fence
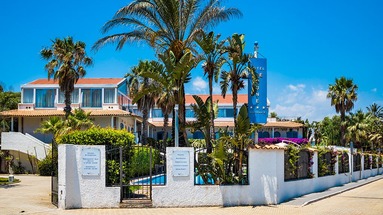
pixel 266 182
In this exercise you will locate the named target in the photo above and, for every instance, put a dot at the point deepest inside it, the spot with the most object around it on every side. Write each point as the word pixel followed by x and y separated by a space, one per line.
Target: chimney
pixel 256 49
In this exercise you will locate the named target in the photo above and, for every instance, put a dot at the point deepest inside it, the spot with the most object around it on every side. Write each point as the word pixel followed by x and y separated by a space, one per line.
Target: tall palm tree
pixel 66 62
pixel 166 25
pixel 343 95
pixel 375 110
pixel 212 55
pixel 137 85
pixel 240 69
pixel 180 73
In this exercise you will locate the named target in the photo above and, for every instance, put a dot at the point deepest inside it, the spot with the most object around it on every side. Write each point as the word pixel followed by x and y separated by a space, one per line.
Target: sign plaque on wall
pixel 90 159
pixel 181 163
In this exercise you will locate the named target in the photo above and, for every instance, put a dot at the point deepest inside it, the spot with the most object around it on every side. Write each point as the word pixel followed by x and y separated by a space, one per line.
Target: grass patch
pixel 4 181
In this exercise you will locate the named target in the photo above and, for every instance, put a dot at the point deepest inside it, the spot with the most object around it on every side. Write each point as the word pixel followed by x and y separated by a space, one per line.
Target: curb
pixel 376 178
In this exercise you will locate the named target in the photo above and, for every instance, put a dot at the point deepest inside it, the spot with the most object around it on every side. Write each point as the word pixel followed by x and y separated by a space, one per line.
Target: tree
pixel 357 130
pixel 212 55
pixel 273 115
pixel 66 62
pixel 79 120
pixel 167 26
pixel 375 110
pixel 343 95
pixel 54 125
pixel 240 69
pixel 138 90
pixel 202 112
pixel 164 87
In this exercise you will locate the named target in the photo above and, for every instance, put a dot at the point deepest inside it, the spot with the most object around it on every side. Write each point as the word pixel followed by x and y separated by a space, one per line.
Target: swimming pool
pixel 161 180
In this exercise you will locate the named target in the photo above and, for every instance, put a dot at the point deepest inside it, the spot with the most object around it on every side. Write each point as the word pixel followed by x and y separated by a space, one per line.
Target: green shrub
pixel 99 136
pixel 45 166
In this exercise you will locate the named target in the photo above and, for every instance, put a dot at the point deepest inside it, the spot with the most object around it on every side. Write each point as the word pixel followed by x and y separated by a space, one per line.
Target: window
pixel 74 96
pixel 198 135
pixel 91 97
pixel 266 134
pixel 225 112
pixel 277 134
pixel 157 113
pixel 45 98
pixel 109 95
pixel 123 88
pixel 189 113
pixel 27 96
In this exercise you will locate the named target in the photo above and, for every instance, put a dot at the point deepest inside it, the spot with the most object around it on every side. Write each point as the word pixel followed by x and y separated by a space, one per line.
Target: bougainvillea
pixel 300 141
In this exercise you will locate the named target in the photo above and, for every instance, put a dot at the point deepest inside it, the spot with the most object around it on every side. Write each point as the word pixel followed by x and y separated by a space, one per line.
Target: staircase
pixel 25 143
pixel 142 203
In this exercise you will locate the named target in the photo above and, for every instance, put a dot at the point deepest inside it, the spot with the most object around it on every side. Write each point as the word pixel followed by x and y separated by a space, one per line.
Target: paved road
pixel 31 196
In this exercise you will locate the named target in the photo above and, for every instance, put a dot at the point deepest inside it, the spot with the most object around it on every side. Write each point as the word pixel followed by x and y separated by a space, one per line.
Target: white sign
pixel 181 163
pixel 90 158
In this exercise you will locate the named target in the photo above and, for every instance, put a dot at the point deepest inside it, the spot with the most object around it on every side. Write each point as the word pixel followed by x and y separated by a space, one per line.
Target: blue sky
pixel 307 43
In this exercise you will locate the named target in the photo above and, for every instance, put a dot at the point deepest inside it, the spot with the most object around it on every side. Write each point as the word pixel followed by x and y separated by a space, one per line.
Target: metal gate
pixel 54 177
pixel 135 169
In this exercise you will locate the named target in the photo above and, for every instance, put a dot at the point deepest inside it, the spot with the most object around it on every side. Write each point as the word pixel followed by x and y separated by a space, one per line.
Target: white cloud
pixel 297 101
pixel 199 84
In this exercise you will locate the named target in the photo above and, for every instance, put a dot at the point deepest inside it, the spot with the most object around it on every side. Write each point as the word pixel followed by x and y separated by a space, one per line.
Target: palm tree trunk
pixel 235 101
pixel 182 118
pixel 166 123
pixel 67 102
pixel 212 130
pixel 144 126
pixel 342 128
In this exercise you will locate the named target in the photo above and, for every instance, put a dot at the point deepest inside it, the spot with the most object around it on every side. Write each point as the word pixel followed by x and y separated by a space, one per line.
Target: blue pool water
pixel 161 180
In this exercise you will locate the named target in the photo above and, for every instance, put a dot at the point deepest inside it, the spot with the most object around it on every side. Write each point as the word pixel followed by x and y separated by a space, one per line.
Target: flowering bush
pixel 300 141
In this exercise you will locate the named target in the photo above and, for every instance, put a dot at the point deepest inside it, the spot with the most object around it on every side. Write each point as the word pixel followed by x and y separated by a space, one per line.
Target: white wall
pixel 180 190
pixel 82 191
pixel 266 183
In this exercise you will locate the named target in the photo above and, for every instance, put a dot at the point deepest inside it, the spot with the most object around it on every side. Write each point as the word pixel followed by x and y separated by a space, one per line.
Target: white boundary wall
pixel 82 191
pixel 266 183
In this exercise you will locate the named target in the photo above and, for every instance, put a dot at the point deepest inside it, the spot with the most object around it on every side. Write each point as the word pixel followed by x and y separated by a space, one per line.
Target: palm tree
pixel 180 73
pixel 213 58
pixel 66 64
pixel 79 120
pixel 357 131
pixel 240 69
pixel 54 125
pixel 343 95
pixel 138 90
pixel 375 110
pixel 166 25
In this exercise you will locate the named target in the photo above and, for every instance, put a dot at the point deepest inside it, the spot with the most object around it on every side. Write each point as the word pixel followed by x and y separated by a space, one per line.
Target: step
pixel 133 203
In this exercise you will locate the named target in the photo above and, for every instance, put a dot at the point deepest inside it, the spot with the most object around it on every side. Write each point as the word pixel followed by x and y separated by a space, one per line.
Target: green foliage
pixel 45 166
pixel 139 164
pixel 9 100
pixel 18 168
pixel 326 161
pixel 99 136
pixel 293 157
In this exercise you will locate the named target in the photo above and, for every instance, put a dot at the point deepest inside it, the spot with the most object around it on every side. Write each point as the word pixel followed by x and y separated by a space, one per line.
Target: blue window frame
pixel 91 98
pixel 109 95
pixel 74 96
pixel 45 98
pixel 157 113
pixel 27 96
pixel 225 112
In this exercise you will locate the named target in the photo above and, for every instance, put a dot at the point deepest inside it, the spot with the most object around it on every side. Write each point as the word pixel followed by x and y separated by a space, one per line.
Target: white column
pixel 11 123
pixel 272 132
pixel 111 121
